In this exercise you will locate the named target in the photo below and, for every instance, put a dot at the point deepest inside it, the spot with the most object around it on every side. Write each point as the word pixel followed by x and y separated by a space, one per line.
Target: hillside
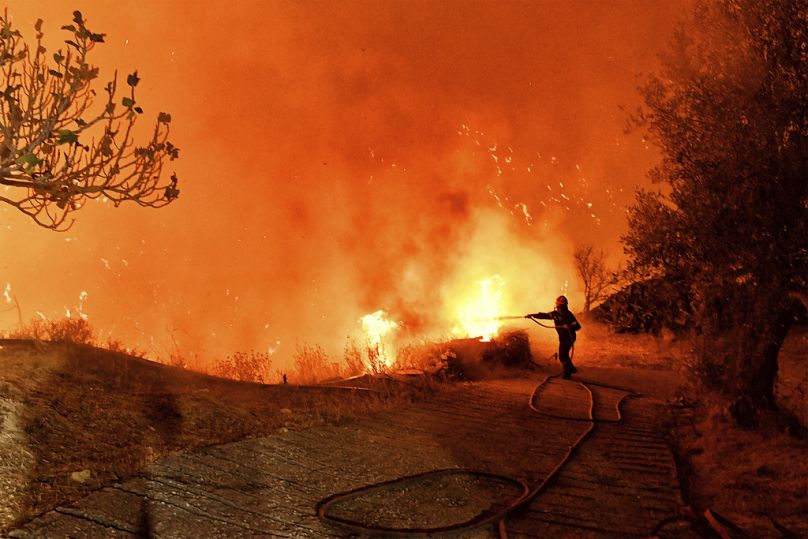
pixel 75 418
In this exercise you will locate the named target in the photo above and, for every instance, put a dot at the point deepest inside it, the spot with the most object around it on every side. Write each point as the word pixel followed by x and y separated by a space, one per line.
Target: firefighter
pixel 565 325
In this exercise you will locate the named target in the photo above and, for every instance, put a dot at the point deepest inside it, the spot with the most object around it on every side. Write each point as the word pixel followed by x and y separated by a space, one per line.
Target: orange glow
pixel 377 327
pixel 339 156
pixel 479 313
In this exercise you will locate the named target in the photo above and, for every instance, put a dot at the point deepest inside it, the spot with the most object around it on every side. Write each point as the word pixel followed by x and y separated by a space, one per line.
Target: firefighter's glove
pixel 529 316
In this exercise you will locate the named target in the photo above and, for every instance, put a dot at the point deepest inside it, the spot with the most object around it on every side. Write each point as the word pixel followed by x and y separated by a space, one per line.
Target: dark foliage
pixel 648 307
pixel 510 349
pixel 729 110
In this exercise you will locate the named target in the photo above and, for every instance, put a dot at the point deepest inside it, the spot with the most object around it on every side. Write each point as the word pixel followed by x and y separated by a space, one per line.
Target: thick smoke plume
pixel 343 158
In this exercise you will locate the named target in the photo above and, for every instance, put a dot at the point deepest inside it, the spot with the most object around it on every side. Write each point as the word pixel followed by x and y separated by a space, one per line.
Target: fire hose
pixel 499 517
pixel 715 521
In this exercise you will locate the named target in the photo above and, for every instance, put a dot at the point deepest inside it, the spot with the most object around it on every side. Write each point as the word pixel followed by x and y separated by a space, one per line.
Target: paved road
pixel 620 482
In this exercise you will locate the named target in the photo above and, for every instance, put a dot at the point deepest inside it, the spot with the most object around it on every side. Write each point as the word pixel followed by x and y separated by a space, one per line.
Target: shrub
pixel 312 364
pixel 245 367
pixel 352 356
pixel 647 306
pixel 73 330
pixel 114 345
pixel 510 349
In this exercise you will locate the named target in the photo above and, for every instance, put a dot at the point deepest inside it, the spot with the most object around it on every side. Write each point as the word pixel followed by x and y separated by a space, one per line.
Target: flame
pixel 478 315
pixel 376 326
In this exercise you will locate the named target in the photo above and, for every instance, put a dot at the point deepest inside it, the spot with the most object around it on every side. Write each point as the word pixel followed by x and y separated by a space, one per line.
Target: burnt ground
pixel 620 482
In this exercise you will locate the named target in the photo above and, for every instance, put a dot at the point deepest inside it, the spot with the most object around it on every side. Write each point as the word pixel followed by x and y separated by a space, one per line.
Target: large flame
pixel 376 326
pixel 479 314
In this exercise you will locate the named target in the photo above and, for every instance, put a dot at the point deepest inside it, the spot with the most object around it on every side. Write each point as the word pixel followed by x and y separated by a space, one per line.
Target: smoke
pixel 340 159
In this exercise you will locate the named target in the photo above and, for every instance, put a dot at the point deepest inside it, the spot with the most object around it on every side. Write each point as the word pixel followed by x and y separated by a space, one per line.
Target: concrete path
pixel 620 482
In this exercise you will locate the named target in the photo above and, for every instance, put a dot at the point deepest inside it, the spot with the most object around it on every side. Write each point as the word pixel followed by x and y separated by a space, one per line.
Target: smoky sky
pixel 343 157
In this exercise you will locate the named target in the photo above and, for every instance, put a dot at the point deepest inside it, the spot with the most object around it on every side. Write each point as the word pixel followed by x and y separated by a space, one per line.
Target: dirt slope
pixel 75 418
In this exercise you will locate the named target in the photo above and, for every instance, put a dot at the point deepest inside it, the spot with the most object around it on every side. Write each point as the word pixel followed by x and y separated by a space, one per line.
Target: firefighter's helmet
pixel 561 300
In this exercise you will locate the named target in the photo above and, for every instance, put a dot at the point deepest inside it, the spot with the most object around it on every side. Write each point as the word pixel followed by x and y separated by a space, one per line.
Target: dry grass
pixel 66 408
pixel 745 475
pixel 752 475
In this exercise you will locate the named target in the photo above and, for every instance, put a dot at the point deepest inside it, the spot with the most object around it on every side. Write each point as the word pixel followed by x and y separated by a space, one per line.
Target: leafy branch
pixel 56 149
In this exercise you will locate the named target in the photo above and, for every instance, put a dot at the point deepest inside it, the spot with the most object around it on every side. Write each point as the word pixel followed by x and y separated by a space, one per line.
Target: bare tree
pixel 56 149
pixel 597 279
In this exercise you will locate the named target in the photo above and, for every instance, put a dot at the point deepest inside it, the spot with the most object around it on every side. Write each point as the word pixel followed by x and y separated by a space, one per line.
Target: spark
pixel 528 217
pixel 7 293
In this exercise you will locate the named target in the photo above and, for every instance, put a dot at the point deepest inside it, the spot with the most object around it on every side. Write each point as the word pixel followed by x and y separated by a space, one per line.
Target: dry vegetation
pixel 75 417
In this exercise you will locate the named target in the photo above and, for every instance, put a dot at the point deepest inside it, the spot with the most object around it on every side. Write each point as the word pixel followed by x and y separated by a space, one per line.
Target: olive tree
pixel 729 110
pixel 56 148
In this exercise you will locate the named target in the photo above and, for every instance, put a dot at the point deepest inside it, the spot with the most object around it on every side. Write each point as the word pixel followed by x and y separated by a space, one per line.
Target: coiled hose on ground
pixel 481 520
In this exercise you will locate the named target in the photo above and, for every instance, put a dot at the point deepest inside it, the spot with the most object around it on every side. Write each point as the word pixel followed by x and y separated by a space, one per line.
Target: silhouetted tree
pixel 728 110
pixel 55 152
pixel 597 279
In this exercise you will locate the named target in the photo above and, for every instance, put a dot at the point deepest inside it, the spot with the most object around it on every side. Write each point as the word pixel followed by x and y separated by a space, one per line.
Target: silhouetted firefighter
pixel 565 325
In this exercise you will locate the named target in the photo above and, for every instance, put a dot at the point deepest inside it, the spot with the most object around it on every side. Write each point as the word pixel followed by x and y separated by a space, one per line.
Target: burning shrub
pixel 352 356
pixel 426 357
pixel 246 367
pixel 312 365
pixel 468 358
pixel 73 330
pixel 115 345
pixel 376 359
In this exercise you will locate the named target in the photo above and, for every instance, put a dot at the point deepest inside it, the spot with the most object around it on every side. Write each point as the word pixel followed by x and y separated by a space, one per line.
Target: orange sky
pixel 343 157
